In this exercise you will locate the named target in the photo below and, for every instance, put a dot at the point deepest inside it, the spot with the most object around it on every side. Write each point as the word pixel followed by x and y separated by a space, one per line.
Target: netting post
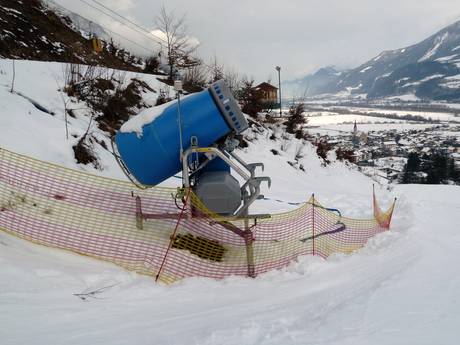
pixel 139 218
pixel 313 223
pixel 173 235
pixel 248 239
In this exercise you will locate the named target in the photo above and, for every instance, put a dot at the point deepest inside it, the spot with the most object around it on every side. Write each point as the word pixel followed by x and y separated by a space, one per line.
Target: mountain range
pixel 427 70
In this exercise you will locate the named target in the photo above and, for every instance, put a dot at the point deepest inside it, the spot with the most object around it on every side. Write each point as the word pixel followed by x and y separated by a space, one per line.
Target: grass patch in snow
pixel 200 246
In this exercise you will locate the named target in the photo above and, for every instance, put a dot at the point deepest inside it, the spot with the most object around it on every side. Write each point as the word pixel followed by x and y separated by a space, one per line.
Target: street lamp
pixel 278 68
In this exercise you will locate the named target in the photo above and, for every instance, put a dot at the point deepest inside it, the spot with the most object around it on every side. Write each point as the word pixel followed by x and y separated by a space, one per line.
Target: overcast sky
pixel 301 36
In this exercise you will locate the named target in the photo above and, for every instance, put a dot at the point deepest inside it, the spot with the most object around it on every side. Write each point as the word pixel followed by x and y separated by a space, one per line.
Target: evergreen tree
pixel 437 169
pixel 296 117
pixel 413 162
pixel 406 177
pixel 249 99
pixel 412 166
pixel 453 172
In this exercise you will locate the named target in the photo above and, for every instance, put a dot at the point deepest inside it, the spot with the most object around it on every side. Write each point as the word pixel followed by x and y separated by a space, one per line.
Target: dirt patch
pixel 84 153
pixel 118 107
pixel 200 246
pixel 104 84
pixel 111 101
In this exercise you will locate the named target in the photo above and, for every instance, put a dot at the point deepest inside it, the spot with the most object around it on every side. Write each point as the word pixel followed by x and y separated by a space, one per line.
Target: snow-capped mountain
pixel 428 70
pixel 313 84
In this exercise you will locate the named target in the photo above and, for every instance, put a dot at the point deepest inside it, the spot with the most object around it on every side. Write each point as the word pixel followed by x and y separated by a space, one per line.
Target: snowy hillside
pixel 38 30
pixel 402 288
pixel 21 116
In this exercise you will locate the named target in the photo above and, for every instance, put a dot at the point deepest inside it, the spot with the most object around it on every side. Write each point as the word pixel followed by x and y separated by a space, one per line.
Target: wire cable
pixel 105 28
pixel 137 28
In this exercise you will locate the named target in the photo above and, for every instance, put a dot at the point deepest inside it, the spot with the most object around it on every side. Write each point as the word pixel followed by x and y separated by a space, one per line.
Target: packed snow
pixel 431 77
pixel 446 58
pixel 145 117
pixel 434 115
pixel 347 119
pixel 364 70
pixel 437 43
pixel 408 97
pixel 402 288
pixel 347 128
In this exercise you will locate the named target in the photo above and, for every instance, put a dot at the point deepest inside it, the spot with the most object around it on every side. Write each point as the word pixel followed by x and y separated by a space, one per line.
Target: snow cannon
pixel 195 134
pixel 153 154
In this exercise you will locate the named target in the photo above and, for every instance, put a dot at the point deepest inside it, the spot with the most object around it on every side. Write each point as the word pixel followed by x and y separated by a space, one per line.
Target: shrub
pixel 322 148
pixel 296 117
pixel 344 154
pixel 151 65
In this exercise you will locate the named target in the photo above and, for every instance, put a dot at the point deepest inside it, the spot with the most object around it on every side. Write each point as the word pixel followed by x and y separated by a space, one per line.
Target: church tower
pixel 355 138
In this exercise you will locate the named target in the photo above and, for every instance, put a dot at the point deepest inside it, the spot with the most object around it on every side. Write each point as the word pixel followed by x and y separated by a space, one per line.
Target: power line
pixel 125 38
pixel 109 30
pixel 144 30
pixel 137 28
pixel 129 21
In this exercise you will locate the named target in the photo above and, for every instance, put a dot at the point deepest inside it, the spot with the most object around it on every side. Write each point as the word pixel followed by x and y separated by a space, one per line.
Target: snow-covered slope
pixel 42 30
pixel 402 288
pixel 20 120
pixel 78 22
pixel 28 130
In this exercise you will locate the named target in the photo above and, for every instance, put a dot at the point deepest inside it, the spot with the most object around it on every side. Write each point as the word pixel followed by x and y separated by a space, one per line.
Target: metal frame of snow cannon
pixel 250 193
pixel 250 190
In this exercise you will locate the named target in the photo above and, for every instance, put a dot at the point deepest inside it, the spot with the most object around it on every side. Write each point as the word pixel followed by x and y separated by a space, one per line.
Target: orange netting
pixel 104 218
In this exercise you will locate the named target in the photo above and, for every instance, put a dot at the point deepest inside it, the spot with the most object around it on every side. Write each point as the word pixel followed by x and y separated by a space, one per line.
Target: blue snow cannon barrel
pixel 154 155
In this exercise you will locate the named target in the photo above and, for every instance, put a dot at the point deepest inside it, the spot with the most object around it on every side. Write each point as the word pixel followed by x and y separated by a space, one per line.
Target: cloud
pixel 192 42
pixel 159 34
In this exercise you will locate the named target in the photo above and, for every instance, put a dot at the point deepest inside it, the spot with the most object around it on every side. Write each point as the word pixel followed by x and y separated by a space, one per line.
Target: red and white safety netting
pixel 105 219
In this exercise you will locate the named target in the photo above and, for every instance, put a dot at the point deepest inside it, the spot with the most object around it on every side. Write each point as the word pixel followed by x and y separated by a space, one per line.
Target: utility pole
pixel 278 68
pixel 179 88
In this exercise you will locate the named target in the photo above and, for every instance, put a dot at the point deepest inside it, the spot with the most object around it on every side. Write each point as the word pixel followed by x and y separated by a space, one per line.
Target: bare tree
pixel 14 76
pixel 195 78
pixel 65 103
pixel 216 70
pixel 233 80
pixel 269 78
pixel 178 48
